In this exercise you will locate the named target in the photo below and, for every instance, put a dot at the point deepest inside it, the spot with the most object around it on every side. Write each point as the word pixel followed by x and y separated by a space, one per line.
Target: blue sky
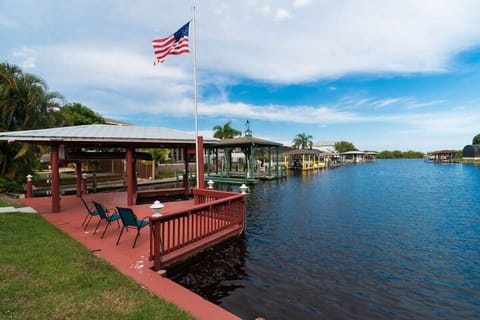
pixel 384 75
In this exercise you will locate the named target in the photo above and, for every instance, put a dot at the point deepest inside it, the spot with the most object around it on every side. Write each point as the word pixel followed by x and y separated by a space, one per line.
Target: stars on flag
pixel 174 44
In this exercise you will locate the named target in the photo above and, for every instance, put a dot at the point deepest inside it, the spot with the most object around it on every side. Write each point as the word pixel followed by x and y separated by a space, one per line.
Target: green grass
pixel 44 274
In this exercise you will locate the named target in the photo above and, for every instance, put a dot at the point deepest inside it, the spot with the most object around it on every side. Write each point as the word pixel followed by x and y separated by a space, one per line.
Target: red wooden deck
pixel 133 262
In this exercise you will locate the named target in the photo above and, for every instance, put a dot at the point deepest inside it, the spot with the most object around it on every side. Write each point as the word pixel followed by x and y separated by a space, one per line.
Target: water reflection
pixel 215 273
pixel 393 239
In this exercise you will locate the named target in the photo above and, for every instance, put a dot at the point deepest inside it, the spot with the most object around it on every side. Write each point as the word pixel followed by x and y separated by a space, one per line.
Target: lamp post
pixel 29 188
pixel 243 188
pixel 156 207
pixel 210 184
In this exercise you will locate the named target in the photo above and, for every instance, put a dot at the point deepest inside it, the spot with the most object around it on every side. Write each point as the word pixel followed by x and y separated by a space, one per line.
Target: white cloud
pixel 282 14
pixel 386 102
pixel 301 3
pixel 416 105
pixel 335 38
pixel 26 55
pixel 329 40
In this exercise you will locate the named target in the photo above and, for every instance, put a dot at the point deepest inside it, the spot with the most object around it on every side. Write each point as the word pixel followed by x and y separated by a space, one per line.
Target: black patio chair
pixel 91 212
pixel 104 215
pixel 130 220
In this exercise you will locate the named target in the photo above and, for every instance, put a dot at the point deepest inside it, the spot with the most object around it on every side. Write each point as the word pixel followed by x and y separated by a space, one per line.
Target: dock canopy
pixel 443 155
pixel 304 159
pixel 247 150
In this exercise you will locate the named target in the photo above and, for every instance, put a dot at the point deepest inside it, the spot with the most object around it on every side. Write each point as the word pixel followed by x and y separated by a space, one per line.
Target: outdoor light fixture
pixel 210 184
pixel 243 188
pixel 29 177
pixel 156 207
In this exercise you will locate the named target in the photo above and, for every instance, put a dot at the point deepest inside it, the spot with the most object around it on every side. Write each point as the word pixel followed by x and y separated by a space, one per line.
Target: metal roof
pixel 302 151
pixel 246 141
pixel 103 134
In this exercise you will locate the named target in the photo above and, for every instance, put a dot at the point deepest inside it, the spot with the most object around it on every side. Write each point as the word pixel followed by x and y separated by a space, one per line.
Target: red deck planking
pixel 133 262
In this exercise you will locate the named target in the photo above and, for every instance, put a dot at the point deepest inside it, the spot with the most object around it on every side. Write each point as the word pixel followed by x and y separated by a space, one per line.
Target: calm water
pixel 392 239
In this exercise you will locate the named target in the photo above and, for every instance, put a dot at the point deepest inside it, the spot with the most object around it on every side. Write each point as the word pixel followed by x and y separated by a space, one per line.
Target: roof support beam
pixel 131 177
pixel 55 188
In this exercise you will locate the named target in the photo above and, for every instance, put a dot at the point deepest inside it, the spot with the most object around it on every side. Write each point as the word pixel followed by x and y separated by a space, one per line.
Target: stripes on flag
pixel 175 44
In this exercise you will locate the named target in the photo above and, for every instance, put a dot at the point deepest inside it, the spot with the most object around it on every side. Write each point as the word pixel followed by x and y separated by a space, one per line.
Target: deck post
pixel 216 160
pixel 252 161
pixel 269 162
pixel 227 160
pixel 55 188
pixel 130 176
pixel 277 162
pixel 78 171
pixel 155 244
pixel 29 187
pixel 200 161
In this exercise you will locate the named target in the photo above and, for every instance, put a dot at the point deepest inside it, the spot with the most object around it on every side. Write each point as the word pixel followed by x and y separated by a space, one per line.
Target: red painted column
pixel 55 179
pixel 200 161
pixel 78 169
pixel 29 187
pixel 130 176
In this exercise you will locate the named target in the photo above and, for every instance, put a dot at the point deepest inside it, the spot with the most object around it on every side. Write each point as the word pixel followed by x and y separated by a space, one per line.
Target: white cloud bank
pixel 99 53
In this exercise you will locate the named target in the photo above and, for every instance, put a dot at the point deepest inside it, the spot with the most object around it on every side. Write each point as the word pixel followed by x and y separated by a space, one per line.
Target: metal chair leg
pixel 138 234
pixel 86 217
pixel 120 235
pixel 98 224
pixel 88 222
pixel 108 223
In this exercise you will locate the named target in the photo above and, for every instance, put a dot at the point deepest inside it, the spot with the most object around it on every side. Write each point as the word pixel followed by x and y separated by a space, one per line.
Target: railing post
pixel 156 246
pixel 29 187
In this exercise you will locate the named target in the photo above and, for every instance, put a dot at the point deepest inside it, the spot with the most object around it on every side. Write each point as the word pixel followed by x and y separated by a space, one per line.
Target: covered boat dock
pixel 82 143
pixel 190 226
pixel 305 159
pixel 256 159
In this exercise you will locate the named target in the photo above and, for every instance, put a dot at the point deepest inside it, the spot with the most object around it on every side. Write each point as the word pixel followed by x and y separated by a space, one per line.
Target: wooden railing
pixel 208 195
pixel 212 216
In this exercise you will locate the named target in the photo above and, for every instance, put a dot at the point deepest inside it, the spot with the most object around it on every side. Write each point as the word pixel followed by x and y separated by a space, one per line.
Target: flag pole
pixel 195 100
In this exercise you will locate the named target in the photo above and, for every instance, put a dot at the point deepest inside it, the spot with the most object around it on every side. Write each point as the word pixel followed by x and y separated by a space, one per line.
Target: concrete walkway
pixel 13 209
pixel 132 262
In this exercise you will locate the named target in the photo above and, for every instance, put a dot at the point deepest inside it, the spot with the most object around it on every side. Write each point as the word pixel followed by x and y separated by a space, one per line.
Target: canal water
pixel 394 239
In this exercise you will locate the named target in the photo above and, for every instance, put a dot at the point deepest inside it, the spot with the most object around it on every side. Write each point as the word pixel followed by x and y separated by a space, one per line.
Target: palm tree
pixel 302 141
pixel 25 104
pixel 225 132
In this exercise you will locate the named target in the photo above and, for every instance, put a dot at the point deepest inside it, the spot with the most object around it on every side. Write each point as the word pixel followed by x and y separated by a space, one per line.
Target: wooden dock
pixel 208 220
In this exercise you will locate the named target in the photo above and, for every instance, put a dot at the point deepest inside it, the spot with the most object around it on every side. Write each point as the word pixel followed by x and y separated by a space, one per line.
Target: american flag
pixel 175 44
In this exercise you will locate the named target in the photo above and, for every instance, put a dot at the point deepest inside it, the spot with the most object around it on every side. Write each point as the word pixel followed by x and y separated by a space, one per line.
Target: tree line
pixel 26 103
